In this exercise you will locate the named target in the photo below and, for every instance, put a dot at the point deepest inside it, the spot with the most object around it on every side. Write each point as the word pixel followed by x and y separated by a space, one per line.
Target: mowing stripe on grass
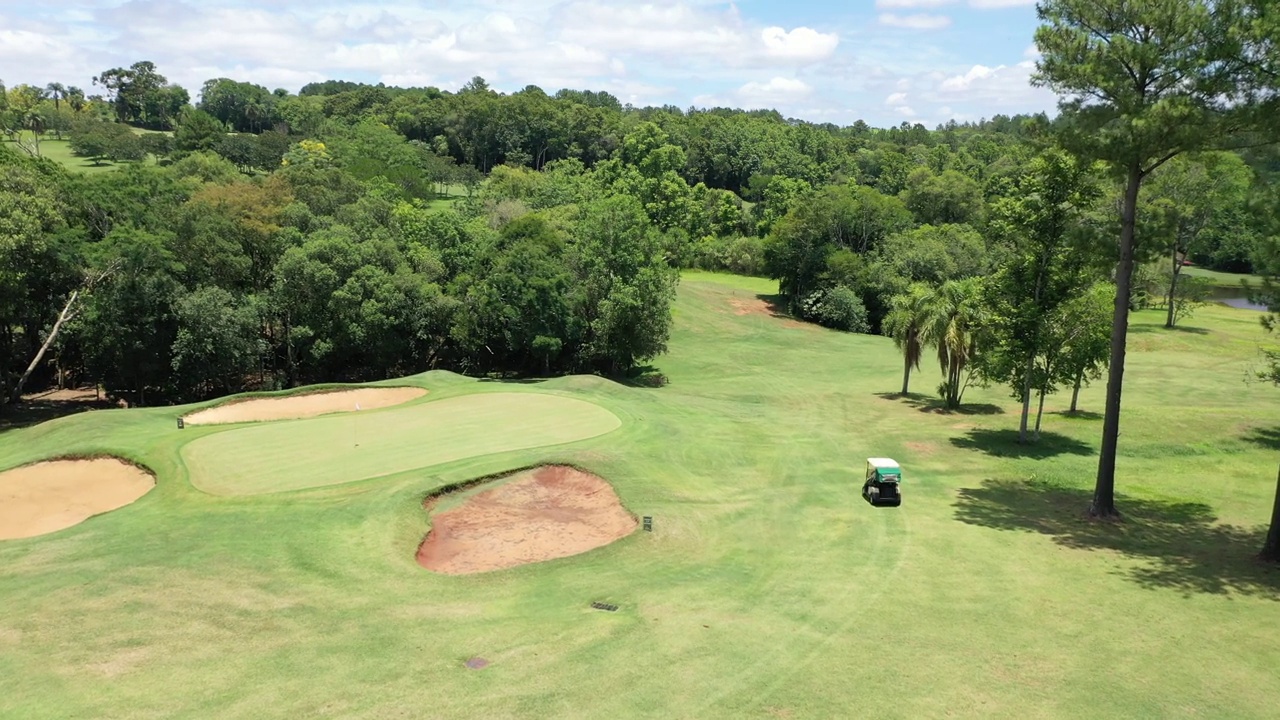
pixel 333 450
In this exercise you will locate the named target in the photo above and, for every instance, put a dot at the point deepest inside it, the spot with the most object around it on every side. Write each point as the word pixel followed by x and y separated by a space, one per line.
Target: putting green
pixel 357 446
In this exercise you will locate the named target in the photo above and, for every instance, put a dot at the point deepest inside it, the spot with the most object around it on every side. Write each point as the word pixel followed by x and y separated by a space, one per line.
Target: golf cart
pixel 881 487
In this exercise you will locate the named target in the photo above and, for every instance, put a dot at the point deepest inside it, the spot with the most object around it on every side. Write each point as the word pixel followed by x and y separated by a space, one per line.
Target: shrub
pixel 837 307
pixel 741 255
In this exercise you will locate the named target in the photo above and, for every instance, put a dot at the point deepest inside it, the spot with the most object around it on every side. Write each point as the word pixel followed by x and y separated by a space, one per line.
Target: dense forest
pixel 262 239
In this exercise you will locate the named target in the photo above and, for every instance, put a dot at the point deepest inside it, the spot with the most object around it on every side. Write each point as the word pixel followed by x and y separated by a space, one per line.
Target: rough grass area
pixel 60 152
pixel 356 446
pixel 767 589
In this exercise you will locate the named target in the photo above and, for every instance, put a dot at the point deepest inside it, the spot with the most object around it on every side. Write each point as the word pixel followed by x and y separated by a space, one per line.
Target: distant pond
pixel 1236 298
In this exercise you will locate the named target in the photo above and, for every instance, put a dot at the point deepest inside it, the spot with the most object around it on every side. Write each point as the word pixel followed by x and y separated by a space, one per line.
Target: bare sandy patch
pixel 297 407
pixel 752 306
pixel 543 514
pixel 50 496
pixel 922 448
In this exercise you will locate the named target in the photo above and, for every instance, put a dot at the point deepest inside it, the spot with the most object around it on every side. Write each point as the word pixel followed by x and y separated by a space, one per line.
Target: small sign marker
pixel 181 423
pixel 648 524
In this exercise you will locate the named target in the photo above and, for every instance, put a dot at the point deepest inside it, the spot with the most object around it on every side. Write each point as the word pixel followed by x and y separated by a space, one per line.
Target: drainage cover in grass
pixel 604 606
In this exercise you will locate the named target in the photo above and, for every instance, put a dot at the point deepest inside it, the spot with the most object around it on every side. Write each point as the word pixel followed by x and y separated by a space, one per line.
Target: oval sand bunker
pixel 50 496
pixel 543 514
pixel 297 407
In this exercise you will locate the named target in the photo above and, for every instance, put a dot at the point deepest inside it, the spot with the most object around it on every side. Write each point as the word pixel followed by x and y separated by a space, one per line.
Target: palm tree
pixel 57 91
pixel 75 98
pixel 905 323
pixel 952 323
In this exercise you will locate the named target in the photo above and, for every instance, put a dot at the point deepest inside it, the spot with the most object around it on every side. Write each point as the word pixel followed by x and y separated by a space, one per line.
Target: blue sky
pixel 882 61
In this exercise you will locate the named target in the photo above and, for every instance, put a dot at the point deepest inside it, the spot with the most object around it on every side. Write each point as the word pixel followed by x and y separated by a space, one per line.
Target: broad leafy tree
pixel 1045 270
pixel 1188 197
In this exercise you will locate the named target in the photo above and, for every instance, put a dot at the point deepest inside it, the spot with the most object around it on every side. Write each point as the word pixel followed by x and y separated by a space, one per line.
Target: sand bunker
pixel 50 496
pixel 542 514
pixel 296 407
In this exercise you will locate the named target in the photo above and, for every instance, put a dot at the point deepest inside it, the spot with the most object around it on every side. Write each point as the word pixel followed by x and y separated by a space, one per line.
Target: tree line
pixel 281 238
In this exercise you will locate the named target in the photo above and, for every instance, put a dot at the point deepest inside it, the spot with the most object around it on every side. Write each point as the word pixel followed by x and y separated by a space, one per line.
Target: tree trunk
pixel 906 375
pixel 1026 400
pixel 53 335
pixel 1075 393
pixel 1173 288
pixel 1104 500
pixel 1271 550
pixel 1040 412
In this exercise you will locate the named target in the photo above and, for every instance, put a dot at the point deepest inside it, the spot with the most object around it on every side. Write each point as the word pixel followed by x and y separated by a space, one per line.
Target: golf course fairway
pixel 339 449
pixel 767 587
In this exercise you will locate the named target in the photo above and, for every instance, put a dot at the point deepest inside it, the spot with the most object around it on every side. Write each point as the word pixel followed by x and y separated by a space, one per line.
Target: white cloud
pixel 776 91
pixel 1004 88
pixel 919 21
pixel 643 51
pixel 906 4
pixel 1031 53
pixel 958 83
pixel 999 4
pixel 805 44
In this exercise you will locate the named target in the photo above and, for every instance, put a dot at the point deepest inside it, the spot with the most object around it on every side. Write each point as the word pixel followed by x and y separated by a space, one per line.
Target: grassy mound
pixel 357 446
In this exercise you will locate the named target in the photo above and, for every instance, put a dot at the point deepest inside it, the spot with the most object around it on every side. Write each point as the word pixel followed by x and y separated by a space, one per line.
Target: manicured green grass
pixel 767 589
pixel 453 193
pixel 1225 280
pixel 276 457
pixel 60 152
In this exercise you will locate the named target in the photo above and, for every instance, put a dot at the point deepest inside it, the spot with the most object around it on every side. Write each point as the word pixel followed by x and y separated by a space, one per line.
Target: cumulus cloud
pixel 643 51
pixel 918 21
pixel 1003 88
pixel 805 44
pixel 908 4
pixel 999 4
pixel 977 73
pixel 775 91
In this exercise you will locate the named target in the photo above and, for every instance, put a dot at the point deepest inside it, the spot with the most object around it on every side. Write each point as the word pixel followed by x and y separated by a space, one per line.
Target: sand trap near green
pixel 358 446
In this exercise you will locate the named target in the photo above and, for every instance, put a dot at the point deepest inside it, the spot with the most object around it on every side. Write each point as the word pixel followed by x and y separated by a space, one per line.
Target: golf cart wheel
pixel 873 494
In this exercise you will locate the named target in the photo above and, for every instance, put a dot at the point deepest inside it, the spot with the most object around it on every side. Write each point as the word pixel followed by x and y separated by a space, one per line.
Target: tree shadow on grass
pixel 777 305
pixel 1004 443
pixel 1181 544
pixel 1145 328
pixel 931 404
pixel 34 410
pixel 1268 438
pixel 643 376
pixel 514 380
pixel 1079 415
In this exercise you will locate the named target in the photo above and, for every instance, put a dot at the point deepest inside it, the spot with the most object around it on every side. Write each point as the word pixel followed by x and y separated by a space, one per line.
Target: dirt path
pixel 50 496
pixel 296 407
pixel 542 514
